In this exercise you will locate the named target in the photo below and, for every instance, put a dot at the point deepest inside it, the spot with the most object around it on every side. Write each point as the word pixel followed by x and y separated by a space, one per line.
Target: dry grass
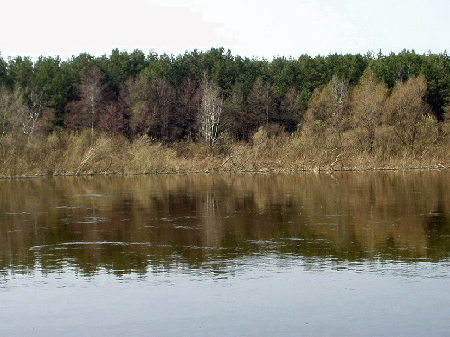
pixel 311 148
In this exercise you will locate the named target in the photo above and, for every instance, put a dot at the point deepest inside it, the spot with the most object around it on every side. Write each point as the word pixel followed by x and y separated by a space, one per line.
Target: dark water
pixel 304 254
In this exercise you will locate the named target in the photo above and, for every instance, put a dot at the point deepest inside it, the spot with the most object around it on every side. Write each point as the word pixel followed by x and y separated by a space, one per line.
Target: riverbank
pixel 84 154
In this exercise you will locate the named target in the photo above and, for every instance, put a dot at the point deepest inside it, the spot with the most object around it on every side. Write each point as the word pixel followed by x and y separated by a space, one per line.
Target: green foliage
pixel 436 69
pixel 255 92
pixel 50 85
pixel 398 67
pixel 121 65
pixel 20 70
pixel 4 78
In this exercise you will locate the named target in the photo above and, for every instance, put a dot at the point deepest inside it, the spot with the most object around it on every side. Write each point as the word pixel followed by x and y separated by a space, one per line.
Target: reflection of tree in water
pixel 394 251
pixel 212 222
pixel 437 224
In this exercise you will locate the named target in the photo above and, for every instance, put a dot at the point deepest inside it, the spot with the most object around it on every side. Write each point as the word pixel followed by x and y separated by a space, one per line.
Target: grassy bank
pixel 85 153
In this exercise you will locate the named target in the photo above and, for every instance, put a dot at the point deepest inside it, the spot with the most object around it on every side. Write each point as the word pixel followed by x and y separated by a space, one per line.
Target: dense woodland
pixel 215 97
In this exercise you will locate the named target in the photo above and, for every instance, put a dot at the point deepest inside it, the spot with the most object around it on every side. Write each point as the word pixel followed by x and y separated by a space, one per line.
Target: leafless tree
pixel 210 112
pixel 85 112
pixel 14 113
pixel 136 93
pixel 368 103
pixel 406 108
pixel 329 104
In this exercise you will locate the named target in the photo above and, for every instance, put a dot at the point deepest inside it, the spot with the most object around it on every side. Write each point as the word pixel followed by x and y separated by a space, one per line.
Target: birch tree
pixel 14 113
pixel 210 112
pixel 85 112
pixel 329 105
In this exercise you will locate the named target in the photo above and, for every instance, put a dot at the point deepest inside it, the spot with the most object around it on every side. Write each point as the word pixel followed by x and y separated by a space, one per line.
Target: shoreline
pixel 83 155
pixel 210 171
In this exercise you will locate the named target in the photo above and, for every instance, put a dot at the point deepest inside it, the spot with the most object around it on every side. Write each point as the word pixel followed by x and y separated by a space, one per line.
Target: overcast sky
pixel 252 28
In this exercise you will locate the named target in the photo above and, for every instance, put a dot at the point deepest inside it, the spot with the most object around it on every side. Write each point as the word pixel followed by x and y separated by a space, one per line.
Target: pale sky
pixel 252 28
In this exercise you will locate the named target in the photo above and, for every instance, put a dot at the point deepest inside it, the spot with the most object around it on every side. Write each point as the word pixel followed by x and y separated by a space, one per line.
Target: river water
pixel 298 254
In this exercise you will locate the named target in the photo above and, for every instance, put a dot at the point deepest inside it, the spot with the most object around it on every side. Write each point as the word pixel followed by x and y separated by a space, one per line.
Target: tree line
pixel 213 94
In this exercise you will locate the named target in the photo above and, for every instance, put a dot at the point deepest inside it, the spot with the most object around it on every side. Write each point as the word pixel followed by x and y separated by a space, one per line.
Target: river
pixel 292 254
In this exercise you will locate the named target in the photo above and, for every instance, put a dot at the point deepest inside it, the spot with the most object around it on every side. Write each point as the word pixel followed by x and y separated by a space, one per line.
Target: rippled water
pixel 345 254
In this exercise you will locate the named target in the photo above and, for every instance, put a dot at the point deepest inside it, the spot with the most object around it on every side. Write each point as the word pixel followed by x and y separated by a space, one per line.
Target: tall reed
pixel 310 148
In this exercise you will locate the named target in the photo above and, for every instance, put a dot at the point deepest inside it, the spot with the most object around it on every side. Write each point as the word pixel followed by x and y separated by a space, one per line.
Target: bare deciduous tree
pixel 36 108
pixel 151 105
pixel 405 109
pixel 210 112
pixel 339 89
pixel 260 103
pixel 91 92
pixel 292 106
pixel 369 99
pixel 188 100
pixel 14 113
pixel 136 93
pixel 111 119
pixel 85 112
pixel 329 105
pixel 163 102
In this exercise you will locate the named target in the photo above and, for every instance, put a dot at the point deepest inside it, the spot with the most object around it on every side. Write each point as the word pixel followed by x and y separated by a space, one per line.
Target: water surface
pixel 362 253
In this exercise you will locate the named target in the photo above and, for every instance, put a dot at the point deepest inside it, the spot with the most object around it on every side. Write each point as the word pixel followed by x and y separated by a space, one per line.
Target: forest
pixel 131 112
